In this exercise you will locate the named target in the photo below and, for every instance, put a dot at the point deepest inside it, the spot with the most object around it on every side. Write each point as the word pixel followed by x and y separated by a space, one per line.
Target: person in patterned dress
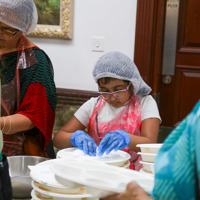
pixel 28 92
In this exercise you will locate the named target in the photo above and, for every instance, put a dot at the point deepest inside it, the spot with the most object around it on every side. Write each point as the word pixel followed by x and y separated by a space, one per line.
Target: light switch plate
pixel 98 43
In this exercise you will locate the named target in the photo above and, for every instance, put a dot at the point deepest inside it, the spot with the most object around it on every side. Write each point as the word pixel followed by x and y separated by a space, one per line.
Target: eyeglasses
pixel 117 94
pixel 8 31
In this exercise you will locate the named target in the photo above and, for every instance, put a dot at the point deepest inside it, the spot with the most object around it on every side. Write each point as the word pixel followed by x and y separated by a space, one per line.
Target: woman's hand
pixel 133 192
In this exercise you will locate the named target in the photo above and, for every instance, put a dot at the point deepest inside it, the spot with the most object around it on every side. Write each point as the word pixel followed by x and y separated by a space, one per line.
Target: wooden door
pixel 177 98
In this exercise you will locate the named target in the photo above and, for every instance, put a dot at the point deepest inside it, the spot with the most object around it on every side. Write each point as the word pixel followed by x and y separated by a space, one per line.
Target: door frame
pixel 149 38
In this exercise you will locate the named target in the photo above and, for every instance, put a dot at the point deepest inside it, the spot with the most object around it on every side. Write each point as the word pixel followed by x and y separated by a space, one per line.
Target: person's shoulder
pixel 147 99
pixel 85 111
pixel 90 104
pixel 40 54
pixel 149 108
pixel 92 101
pixel 43 61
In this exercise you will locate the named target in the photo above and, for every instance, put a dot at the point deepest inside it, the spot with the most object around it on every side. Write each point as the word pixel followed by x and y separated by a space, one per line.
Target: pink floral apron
pixel 129 120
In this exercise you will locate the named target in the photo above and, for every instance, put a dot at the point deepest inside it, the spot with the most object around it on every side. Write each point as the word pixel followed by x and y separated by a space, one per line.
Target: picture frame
pixel 64 28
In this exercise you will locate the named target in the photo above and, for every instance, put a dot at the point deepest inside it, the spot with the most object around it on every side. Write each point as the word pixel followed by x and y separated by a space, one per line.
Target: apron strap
pixel 3 104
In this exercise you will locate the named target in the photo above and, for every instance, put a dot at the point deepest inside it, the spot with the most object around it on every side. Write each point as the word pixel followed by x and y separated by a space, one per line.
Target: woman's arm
pixel 62 137
pixel 15 123
pixel 149 133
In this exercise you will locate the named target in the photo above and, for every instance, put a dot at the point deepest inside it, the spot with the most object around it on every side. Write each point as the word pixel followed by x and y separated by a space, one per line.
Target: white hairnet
pixel 19 14
pixel 118 65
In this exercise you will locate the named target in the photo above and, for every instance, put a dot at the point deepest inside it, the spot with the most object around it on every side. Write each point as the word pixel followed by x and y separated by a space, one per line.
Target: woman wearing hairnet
pixel 28 95
pixel 123 116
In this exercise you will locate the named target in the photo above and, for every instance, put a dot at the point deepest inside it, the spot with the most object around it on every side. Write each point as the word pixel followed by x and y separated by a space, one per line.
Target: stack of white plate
pixel 82 179
pixel 115 158
pixel 46 186
pixel 148 154
pixel 99 179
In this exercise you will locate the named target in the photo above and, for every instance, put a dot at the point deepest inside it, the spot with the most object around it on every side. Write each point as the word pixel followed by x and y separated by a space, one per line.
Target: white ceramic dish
pixel 148 167
pixel 117 158
pixel 44 175
pixel 147 157
pixel 37 196
pixel 149 148
pixel 100 179
pixel 146 173
pixel 46 194
pixel 126 165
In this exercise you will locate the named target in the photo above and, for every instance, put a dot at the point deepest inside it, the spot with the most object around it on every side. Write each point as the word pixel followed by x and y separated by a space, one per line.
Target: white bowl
pixel 42 174
pixel 149 148
pixel 37 196
pixel 48 194
pixel 116 158
pixel 126 165
pixel 60 190
pixel 148 167
pixel 147 157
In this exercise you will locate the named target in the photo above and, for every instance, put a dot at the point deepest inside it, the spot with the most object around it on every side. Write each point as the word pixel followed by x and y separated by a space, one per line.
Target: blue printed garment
pixel 177 164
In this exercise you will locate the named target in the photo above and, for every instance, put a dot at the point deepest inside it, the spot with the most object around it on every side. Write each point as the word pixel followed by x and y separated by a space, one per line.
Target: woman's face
pixel 112 86
pixel 8 36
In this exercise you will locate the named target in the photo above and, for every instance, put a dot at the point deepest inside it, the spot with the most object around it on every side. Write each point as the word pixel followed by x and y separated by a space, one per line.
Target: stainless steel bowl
pixel 20 174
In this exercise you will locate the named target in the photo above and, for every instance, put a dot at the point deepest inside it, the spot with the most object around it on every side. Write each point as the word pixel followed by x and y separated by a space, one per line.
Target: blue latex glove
pixel 84 142
pixel 113 140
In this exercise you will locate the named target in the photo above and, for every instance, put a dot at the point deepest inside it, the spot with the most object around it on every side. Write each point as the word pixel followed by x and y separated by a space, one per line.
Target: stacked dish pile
pixel 99 178
pixel 45 185
pixel 78 177
pixel 115 158
pixel 148 154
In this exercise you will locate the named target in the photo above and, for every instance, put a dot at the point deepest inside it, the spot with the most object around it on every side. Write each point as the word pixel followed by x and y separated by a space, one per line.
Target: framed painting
pixel 55 19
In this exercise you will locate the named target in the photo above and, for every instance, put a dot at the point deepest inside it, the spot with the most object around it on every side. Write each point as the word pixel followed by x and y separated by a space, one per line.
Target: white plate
pixel 146 173
pixel 116 158
pixel 37 196
pixel 44 175
pixel 149 148
pixel 101 180
pixel 147 157
pixel 45 193
pixel 148 167
pixel 126 165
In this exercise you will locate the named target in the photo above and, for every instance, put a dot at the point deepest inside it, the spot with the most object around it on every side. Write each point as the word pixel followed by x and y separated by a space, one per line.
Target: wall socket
pixel 98 43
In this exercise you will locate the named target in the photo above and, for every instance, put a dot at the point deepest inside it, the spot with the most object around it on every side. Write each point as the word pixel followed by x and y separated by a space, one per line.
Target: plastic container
pixel 148 167
pixel 147 157
pixel 149 148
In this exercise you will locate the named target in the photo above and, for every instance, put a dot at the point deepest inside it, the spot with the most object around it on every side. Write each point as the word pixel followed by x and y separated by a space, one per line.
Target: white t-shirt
pixel 149 109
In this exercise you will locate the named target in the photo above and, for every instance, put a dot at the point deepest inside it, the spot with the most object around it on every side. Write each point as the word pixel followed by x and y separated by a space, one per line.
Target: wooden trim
pixel 73 97
pixel 144 41
pixel 149 42
pixel 189 50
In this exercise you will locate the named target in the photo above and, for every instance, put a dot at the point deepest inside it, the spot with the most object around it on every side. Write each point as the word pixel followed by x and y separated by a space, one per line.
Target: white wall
pixel 73 60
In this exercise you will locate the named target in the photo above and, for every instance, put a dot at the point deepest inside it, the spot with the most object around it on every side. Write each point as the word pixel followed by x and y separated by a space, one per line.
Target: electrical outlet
pixel 98 43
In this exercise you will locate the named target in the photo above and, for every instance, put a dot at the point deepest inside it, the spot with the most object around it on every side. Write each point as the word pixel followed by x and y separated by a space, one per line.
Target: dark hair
pixel 106 80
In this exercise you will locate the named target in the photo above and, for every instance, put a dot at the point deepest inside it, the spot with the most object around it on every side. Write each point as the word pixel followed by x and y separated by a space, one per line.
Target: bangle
pixel 3 124
pixel 9 124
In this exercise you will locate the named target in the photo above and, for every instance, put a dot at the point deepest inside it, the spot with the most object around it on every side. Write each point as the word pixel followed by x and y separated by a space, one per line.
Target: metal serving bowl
pixel 20 174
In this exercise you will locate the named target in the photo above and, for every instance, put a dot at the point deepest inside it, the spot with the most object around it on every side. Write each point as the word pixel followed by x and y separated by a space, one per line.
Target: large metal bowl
pixel 20 174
